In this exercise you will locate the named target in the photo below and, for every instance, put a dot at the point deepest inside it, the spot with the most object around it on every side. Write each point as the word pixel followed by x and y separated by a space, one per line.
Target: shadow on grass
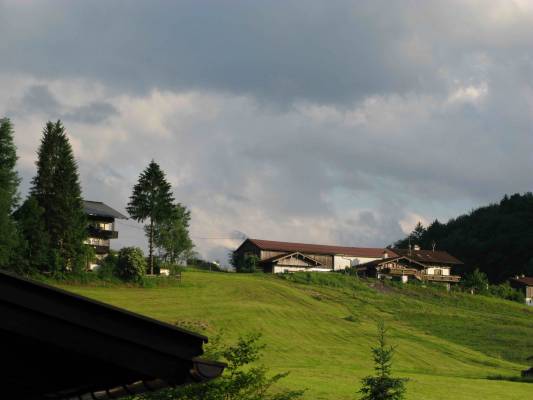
pixel 522 379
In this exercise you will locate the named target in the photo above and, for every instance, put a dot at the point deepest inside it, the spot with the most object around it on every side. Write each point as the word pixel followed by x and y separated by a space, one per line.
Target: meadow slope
pixel 321 330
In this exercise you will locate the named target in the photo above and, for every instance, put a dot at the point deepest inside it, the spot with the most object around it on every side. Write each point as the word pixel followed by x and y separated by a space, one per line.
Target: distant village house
pixel 524 284
pixel 101 227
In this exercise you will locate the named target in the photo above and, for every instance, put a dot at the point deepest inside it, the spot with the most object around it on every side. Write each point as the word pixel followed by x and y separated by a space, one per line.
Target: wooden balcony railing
pixel 102 233
pixel 419 275
pixel 440 278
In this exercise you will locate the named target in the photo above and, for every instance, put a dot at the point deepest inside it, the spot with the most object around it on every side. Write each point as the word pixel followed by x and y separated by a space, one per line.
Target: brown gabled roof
pixel 386 260
pixel 369 252
pixel 282 256
pixel 429 256
pixel 524 280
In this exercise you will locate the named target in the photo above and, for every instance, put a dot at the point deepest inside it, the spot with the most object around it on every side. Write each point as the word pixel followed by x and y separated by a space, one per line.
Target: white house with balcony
pixel 101 227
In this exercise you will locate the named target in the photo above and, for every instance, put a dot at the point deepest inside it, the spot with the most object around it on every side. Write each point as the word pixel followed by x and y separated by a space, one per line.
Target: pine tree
pixel 9 181
pixel 382 386
pixel 151 199
pixel 56 188
pixel 32 252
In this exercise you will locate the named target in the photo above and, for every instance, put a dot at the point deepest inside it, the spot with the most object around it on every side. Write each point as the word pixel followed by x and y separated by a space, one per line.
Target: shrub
pixel 131 265
pixel 248 264
pixel 476 282
pixel 505 291
pixel 107 268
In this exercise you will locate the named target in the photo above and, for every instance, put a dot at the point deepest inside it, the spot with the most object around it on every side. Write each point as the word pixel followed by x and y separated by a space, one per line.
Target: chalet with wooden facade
pixel 279 257
pixel 414 264
pixel 101 227
pixel 525 284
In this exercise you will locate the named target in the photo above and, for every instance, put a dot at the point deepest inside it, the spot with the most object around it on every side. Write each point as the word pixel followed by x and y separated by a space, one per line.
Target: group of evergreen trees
pixel 496 238
pixel 46 233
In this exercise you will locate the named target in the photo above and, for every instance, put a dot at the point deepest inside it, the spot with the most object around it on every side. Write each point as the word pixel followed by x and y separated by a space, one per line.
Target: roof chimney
pixel 433 245
pixel 385 254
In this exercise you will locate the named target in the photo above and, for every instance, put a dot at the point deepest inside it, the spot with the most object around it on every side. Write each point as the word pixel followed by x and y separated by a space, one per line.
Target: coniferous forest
pixel 497 238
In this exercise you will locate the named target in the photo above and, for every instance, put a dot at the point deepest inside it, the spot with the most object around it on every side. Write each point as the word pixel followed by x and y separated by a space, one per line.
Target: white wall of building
pixel 343 262
pixel 432 271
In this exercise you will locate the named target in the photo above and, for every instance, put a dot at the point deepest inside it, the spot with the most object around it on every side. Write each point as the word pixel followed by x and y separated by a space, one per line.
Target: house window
pixel 438 271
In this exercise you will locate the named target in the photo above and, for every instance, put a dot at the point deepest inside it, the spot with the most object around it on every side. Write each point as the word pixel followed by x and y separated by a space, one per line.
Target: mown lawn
pixel 321 330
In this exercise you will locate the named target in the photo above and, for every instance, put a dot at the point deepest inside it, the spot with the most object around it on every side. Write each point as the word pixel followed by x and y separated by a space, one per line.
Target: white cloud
pixel 409 222
pixel 469 94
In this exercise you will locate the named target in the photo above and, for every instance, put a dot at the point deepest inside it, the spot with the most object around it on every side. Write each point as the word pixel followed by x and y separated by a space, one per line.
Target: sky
pixel 333 122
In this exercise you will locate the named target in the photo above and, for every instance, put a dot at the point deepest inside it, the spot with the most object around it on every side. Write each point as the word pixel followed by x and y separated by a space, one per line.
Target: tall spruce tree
pixel 57 190
pixel 151 200
pixel 9 181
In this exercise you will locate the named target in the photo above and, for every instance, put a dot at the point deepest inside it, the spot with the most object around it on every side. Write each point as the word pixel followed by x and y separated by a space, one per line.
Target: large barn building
pixel 279 257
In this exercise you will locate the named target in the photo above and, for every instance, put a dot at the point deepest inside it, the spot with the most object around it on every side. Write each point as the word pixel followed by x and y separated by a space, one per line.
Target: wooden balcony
pixel 101 249
pixel 400 271
pixel 440 278
pixel 420 276
pixel 102 233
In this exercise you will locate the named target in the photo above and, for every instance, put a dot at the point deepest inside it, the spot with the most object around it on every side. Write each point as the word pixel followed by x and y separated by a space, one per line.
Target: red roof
pixel 429 256
pixel 370 252
pixel 525 280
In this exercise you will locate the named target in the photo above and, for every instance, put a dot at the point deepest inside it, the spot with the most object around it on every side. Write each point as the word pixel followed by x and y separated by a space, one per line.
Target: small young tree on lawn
pixel 151 199
pixel 382 386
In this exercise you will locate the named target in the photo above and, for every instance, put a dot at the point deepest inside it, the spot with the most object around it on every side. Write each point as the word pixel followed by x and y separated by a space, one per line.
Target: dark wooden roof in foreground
pixel 369 252
pixel 58 345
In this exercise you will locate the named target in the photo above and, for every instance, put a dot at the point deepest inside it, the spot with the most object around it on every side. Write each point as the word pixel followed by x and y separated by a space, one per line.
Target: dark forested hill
pixel 497 239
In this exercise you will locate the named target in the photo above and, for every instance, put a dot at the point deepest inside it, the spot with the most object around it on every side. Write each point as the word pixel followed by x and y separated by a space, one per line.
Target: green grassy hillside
pixel 321 330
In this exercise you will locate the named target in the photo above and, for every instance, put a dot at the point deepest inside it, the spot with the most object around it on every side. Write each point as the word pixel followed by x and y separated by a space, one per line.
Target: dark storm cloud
pixel 91 113
pixel 38 99
pixel 323 51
